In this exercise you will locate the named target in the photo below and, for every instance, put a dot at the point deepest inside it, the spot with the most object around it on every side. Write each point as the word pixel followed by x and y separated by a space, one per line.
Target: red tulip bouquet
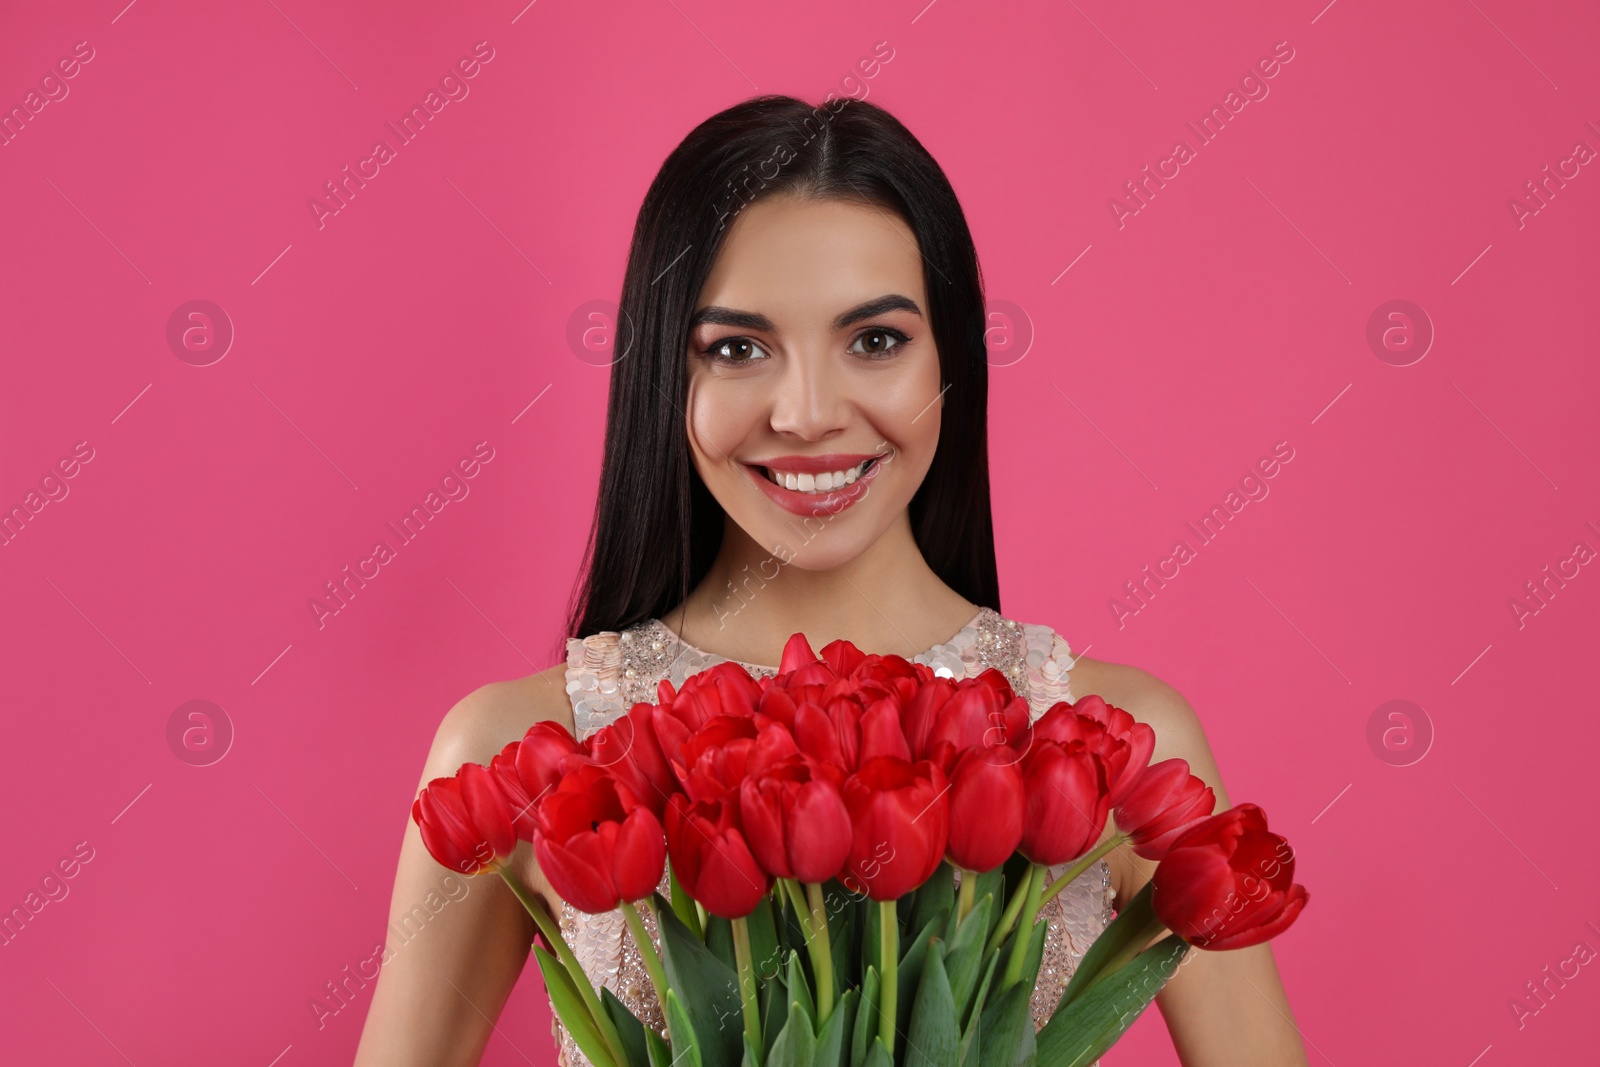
pixel 857 853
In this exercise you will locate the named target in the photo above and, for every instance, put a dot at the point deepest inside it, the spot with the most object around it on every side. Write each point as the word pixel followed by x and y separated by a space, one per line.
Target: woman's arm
pixel 1223 1009
pixel 456 944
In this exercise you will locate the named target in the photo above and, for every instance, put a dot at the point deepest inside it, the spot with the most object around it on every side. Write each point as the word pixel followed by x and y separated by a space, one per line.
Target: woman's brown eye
pixel 736 351
pixel 878 342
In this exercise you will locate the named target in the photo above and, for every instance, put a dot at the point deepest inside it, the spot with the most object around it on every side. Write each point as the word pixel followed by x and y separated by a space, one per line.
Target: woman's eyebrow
pixel 713 315
pixel 889 302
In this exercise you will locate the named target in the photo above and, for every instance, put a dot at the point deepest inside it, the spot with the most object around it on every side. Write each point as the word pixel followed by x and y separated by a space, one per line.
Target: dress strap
pixel 1049 659
pixel 594 681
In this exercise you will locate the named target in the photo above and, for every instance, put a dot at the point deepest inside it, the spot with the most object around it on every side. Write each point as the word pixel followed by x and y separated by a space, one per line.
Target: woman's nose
pixel 810 399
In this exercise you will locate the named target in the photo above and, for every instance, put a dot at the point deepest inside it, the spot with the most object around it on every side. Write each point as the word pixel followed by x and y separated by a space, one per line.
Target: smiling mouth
pixel 824 482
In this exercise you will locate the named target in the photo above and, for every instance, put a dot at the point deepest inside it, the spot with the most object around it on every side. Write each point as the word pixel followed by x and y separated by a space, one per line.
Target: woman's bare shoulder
pixel 1150 700
pixel 490 717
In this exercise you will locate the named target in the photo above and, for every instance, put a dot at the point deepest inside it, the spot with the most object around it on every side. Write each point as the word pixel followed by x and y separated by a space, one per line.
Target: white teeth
pixel 818 483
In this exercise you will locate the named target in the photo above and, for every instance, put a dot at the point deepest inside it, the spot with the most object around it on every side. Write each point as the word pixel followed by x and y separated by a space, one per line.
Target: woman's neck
pixel 885 600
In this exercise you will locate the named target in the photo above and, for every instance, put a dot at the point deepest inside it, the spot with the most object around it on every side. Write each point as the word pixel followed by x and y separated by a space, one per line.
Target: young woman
pixel 796 441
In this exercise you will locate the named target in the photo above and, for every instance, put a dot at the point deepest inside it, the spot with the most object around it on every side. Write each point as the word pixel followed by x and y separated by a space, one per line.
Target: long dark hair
pixel 657 528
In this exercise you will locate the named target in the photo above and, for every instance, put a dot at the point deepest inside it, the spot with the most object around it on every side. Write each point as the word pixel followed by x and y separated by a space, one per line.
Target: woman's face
pixel 814 385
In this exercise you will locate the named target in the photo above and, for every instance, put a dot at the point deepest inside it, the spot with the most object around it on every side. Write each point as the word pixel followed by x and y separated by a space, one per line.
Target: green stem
pixel 821 967
pixel 1083 864
pixel 1030 912
pixel 552 933
pixel 822 962
pixel 747 981
pixel 889 945
pixel 802 910
pixel 968 895
pixel 647 950
pixel 684 907
pixel 1124 954
pixel 1009 916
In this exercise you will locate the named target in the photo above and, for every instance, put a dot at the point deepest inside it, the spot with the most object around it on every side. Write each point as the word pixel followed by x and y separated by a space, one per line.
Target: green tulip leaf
pixel 1135 923
pixel 660 1051
pixel 877 1055
pixel 833 1040
pixel 795 1042
pixel 1079 1032
pixel 800 990
pixel 751 1059
pixel 933 1038
pixel 629 1028
pixel 1007 1020
pixel 719 939
pixel 964 957
pixel 682 904
pixel 975 1018
pixel 935 898
pixel 913 953
pixel 708 990
pixel 992 882
pixel 686 1048
pixel 866 1024
pixel 844 921
pixel 571 1009
pixel 772 1004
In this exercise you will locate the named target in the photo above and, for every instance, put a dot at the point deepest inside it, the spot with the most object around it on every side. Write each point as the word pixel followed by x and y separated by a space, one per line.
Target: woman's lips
pixel 831 502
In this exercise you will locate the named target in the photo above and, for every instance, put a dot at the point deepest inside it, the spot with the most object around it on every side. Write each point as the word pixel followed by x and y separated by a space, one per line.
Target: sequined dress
pixel 608 672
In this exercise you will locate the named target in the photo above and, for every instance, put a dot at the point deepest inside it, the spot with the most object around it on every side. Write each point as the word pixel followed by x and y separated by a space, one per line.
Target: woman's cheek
pixel 717 420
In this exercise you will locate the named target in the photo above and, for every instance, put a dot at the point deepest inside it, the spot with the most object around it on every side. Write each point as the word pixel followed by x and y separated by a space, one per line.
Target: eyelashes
pixel 717 354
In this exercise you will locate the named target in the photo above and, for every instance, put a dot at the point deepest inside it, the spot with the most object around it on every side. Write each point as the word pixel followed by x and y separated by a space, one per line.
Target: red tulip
pixel 1067 801
pixel 881 734
pixel 465 821
pixel 711 761
pixel 795 820
pixel 840 655
pixel 901 819
pixel 1164 802
pixel 980 713
pixel 815 732
pixel 1227 882
pixel 801 666
pixel 711 858
pixel 1122 768
pixel 986 808
pixel 922 713
pixel 723 689
pixel 628 748
pixel 525 770
pixel 889 677
pixel 598 844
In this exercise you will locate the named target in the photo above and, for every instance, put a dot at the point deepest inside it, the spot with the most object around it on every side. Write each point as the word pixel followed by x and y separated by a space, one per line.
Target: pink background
pixel 373 352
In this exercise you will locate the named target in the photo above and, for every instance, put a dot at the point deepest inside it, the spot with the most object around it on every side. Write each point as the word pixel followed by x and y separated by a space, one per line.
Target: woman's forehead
pixel 804 260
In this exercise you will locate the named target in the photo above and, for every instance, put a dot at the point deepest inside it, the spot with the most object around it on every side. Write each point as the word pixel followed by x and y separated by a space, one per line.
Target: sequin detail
pixel 609 672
